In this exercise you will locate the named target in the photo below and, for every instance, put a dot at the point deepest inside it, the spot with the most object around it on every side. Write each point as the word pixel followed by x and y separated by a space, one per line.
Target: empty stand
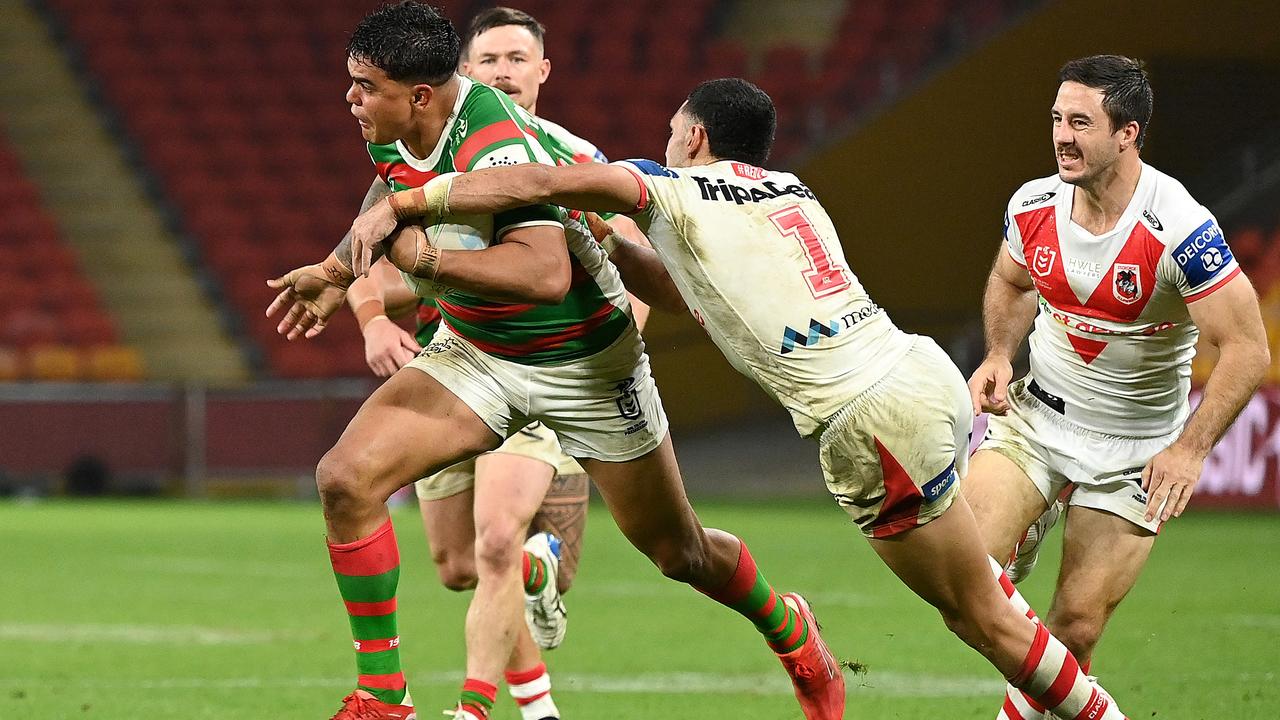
pixel 238 110
pixel 51 319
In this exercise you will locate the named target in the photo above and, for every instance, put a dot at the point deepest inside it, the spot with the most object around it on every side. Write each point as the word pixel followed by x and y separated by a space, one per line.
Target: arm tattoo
pixel 378 190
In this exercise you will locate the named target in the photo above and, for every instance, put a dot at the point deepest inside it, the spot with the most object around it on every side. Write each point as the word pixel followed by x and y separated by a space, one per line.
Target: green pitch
pixel 167 610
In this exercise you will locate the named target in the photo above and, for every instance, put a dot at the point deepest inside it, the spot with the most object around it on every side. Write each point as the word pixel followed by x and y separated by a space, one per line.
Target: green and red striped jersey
pixel 487 129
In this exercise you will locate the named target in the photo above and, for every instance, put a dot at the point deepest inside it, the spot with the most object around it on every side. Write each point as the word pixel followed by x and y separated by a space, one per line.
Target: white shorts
pixel 893 456
pixel 535 441
pixel 1106 470
pixel 605 406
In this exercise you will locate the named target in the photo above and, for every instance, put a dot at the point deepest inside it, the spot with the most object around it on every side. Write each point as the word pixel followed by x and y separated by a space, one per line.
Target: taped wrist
pixel 368 311
pixel 336 273
pixel 611 242
pixel 427 264
pixel 430 202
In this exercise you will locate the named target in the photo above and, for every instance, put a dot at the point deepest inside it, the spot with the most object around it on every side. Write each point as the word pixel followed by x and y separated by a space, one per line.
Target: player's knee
pixel 457 574
pixel 498 544
pixel 338 478
pixel 682 564
pixel 1078 629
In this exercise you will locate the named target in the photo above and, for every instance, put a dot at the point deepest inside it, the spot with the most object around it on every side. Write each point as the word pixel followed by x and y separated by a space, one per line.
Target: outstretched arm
pixel 589 186
pixel 638 264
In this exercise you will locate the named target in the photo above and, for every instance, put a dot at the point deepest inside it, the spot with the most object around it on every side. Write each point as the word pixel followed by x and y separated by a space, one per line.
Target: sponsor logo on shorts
pixel 437 347
pixel 1140 497
pixel 939 486
pixel 792 338
pixel 632 430
pixel 628 400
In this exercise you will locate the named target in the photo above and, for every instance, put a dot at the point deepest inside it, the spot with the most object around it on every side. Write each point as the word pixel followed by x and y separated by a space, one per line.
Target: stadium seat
pixel 10 365
pixel 55 363
pixel 107 363
pixel 263 109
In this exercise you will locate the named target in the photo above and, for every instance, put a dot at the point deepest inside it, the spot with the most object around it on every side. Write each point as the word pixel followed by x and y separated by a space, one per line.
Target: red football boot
pixel 361 705
pixel 814 671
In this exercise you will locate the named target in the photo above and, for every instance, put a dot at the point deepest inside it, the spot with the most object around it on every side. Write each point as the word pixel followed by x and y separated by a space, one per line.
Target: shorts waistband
pixel 1051 401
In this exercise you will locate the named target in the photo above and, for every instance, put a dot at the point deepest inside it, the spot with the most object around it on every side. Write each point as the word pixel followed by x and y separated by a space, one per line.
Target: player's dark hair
pixel 738 116
pixel 1126 91
pixel 496 17
pixel 409 41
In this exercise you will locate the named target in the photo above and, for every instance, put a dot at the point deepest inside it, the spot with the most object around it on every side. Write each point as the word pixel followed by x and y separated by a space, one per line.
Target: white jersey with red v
pixel 760 266
pixel 1113 337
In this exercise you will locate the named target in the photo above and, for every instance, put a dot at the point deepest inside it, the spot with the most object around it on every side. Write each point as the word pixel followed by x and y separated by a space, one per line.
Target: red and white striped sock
pixel 1051 678
pixel 532 692
pixel 1017 705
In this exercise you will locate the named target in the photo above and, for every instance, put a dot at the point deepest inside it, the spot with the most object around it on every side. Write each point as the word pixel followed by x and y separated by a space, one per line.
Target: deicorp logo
pixel 1202 254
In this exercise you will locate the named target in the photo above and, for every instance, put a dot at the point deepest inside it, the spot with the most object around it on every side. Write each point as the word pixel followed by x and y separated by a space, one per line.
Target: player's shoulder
pixel 1172 214
pixel 1036 194
pixel 583 150
pixel 480 106
pixel 648 168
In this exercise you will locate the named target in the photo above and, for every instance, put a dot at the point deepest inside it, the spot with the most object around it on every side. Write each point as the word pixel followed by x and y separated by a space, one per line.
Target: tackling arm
pixel 641 269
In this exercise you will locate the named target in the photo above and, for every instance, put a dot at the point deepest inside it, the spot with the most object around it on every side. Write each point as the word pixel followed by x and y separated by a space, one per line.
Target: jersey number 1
pixel 823 276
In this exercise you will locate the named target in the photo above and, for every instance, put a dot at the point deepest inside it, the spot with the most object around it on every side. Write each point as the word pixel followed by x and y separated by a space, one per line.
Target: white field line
pixel 230 567
pixel 1270 622
pixel 133 634
pixel 876 683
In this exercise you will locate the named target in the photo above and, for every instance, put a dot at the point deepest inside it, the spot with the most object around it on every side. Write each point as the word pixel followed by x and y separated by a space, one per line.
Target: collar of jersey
pixel 429 164
pixel 1067 204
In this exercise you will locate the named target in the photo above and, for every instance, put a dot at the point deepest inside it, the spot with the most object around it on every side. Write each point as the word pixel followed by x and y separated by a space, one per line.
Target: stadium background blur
pixel 152 154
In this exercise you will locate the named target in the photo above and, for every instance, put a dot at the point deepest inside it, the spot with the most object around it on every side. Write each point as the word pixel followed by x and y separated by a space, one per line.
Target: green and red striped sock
pixel 751 595
pixel 368 571
pixel 535 574
pixel 477 699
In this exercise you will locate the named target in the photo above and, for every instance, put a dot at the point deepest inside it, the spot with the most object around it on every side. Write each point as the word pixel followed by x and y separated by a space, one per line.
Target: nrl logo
pixel 1127 285
pixel 1042 263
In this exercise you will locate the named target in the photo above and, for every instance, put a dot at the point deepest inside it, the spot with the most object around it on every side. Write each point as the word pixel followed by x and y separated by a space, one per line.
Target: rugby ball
pixel 455 232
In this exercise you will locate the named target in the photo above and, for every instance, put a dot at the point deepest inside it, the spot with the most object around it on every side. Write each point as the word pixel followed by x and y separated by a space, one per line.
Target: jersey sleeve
pixel 501 143
pixel 1199 264
pixel 656 191
pixel 1013 237
pixel 383 157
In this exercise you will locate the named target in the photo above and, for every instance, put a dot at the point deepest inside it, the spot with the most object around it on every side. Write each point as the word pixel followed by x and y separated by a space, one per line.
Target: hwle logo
pixel 792 338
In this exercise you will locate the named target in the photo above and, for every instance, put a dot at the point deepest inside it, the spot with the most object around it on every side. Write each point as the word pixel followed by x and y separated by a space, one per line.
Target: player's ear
pixel 1129 137
pixel 697 141
pixel 544 70
pixel 422 94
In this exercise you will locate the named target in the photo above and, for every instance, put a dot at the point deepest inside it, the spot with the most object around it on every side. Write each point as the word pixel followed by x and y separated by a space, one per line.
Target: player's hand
pixel 989 386
pixel 370 228
pixel 387 347
pixel 1169 479
pixel 311 299
pixel 597 225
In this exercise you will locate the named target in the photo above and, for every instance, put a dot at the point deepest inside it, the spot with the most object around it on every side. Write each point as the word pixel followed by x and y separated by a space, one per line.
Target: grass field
pixel 187 610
